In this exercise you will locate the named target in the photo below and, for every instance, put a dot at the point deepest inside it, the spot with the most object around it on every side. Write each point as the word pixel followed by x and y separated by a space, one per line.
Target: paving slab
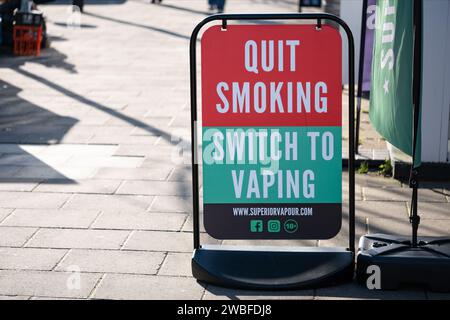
pixel 115 139
pixel 42 172
pixel 181 174
pixel 401 194
pixel 104 161
pixel 177 264
pixel 26 159
pixel 137 287
pixel 15 236
pixel 431 210
pixel 164 221
pixel 157 172
pixel 155 188
pixel 18 185
pixel 47 284
pixel 77 149
pixel 188 225
pixel 32 200
pixel 112 202
pixel 100 186
pixel 164 241
pixel 383 210
pixel 8 172
pixel 29 258
pixel 374 180
pixel 113 261
pixel 78 238
pixel 51 218
pixel 134 150
pixel 4 213
pixel 172 204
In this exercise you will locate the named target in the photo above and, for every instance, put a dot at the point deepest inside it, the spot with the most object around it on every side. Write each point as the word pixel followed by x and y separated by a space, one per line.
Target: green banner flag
pixel 391 101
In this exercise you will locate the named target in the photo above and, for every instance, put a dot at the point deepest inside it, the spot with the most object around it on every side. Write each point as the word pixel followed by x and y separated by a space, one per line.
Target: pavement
pixel 95 185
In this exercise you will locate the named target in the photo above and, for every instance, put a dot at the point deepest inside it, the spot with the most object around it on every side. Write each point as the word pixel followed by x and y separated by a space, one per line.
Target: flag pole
pixel 417 78
pixel 360 73
pixel 403 260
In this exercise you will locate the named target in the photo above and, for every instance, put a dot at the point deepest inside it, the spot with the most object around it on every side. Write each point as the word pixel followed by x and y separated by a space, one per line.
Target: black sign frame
pixel 222 266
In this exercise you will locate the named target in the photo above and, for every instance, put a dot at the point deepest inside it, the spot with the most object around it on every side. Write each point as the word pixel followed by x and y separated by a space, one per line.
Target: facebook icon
pixel 256 226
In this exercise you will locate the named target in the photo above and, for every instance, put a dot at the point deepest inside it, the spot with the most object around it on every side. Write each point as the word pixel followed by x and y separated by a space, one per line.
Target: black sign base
pixel 399 263
pixel 272 268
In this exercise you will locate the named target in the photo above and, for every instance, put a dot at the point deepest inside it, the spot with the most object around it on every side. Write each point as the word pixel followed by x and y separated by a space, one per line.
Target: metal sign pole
pixel 360 73
pixel 417 79
pixel 206 262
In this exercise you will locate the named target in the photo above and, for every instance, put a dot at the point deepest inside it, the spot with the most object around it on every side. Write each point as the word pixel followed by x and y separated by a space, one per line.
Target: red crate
pixel 27 40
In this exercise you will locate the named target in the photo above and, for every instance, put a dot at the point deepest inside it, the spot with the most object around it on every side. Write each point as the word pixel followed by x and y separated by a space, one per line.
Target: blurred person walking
pixel 212 5
pixel 220 6
pixel 217 4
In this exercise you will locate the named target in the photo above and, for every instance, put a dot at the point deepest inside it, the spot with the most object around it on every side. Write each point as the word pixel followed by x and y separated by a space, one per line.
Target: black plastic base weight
pixel 401 264
pixel 272 268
